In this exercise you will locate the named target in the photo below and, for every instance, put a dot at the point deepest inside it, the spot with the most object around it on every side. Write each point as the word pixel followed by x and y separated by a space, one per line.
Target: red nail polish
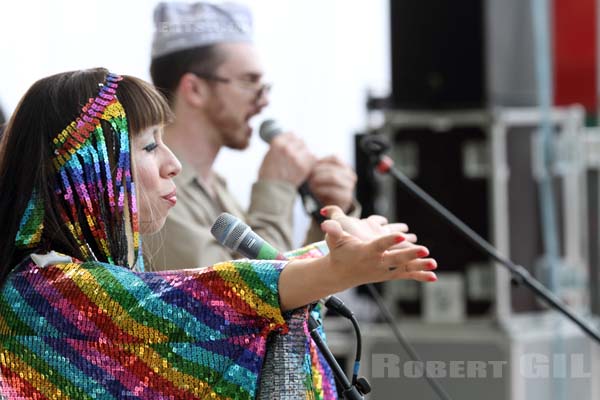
pixel 399 239
pixel 323 212
pixel 431 265
pixel 422 253
pixel 432 278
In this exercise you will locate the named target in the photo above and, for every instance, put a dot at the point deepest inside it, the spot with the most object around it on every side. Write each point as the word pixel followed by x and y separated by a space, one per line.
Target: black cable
pixel 334 303
pixel 358 349
pixel 349 391
pixel 337 305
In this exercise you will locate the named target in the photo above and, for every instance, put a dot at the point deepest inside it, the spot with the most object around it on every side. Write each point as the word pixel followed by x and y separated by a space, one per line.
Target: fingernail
pixel 399 239
pixel 431 265
pixel 422 253
pixel 323 211
pixel 432 278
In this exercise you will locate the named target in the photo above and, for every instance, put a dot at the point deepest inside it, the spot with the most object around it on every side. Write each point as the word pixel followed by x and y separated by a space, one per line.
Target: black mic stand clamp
pixel 349 391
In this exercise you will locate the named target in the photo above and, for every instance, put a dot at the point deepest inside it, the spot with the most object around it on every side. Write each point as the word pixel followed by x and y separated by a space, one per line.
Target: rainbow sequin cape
pixel 98 331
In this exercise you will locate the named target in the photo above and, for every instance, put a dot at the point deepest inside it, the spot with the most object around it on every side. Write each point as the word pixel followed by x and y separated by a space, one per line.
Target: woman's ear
pixel 193 90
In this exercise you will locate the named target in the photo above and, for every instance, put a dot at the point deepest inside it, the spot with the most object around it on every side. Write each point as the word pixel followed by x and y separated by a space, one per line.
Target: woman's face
pixel 155 167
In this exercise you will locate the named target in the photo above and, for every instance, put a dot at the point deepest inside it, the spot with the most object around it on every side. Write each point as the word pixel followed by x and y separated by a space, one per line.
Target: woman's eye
pixel 151 147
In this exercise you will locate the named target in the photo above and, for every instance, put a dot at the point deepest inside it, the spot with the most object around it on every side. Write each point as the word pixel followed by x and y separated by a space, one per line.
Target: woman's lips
pixel 171 197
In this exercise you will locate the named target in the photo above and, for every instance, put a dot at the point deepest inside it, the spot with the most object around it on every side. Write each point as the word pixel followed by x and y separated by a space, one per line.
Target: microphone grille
pixel 228 230
pixel 222 225
pixel 233 239
pixel 269 128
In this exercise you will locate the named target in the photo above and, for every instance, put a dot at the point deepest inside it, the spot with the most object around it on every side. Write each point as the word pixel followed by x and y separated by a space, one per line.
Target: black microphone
pixel 268 130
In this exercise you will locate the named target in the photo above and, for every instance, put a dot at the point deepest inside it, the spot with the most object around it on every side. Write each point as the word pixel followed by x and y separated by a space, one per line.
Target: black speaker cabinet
pixel 447 165
pixel 438 59
pixel 438 162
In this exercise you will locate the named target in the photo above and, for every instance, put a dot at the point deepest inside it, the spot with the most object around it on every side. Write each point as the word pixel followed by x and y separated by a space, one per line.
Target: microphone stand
pixel 349 391
pixel 376 147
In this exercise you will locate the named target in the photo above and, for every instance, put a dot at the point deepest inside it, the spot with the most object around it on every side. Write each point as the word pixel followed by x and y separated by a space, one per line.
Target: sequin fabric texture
pixel 98 331
pixel 91 192
pixel 294 367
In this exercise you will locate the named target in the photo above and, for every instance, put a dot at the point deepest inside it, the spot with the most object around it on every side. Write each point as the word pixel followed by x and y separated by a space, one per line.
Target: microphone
pixel 232 233
pixel 269 128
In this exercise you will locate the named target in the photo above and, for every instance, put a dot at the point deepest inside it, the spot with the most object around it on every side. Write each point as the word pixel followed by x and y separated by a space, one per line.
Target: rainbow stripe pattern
pixel 87 183
pixel 99 331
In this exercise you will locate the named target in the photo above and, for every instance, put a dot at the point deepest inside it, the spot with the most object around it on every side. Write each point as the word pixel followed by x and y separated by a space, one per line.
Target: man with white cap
pixel 204 61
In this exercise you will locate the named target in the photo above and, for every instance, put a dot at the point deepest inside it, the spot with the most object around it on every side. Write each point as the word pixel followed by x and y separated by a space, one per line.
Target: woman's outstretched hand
pixel 360 251
pixel 376 250
pixel 368 228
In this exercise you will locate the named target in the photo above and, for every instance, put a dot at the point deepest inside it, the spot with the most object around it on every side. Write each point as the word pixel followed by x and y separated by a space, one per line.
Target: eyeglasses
pixel 259 89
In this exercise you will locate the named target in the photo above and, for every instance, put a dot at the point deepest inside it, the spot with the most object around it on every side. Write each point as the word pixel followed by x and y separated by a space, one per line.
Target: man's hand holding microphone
pixel 325 181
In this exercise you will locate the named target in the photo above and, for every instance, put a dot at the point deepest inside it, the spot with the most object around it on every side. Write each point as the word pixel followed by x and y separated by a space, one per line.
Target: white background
pixel 322 57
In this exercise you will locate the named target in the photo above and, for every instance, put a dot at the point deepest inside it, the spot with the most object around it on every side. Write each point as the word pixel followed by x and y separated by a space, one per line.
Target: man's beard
pixel 236 140
pixel 233 131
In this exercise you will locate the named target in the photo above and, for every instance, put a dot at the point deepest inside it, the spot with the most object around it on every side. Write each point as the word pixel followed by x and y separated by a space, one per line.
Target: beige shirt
pixel 185 241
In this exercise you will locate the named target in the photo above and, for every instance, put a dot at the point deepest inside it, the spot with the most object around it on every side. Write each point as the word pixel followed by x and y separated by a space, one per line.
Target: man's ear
pixel 193 90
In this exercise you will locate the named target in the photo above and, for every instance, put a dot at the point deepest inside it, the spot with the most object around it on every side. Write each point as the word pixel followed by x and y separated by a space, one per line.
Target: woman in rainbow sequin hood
pixel 83 170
